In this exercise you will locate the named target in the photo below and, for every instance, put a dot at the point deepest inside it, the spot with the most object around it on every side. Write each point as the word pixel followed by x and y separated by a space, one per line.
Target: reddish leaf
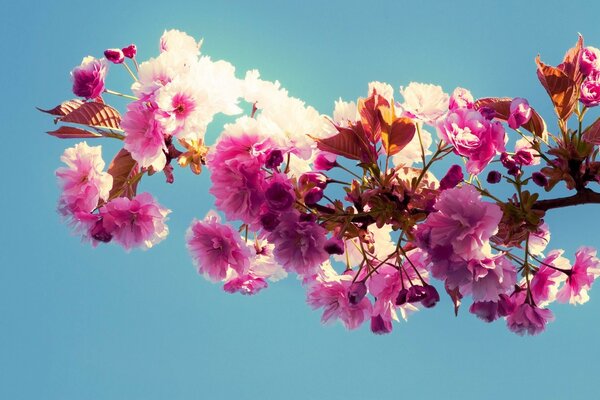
pixel 563 91
pixel 571 61
pixel 371 117
pixel 69 132
pixel 94 114
pixel 501 105
pixel 592 133
pixel 123 168
pixel 345 144
pixel 401 133
pixel 64 108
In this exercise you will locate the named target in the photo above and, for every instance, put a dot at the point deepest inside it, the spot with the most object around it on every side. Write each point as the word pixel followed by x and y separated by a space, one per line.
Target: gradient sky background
pixel 83 323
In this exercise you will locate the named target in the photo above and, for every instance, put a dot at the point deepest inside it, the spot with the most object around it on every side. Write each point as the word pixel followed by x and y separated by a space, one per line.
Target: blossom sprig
pixel 349 202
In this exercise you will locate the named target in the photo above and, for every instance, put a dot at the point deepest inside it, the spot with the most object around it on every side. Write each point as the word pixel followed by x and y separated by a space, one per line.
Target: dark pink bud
pixel 380 326
pixel 357 292
pixel 274 159
pixel 129 51
pixel 324 161
pixel 313 196
pixel 334 246
pixel 539 179
pixel 431 297
pixel 402 297
pixel 312 179
pixel 115 56
pixel 453 177
pixel 494 177
pixel 416 293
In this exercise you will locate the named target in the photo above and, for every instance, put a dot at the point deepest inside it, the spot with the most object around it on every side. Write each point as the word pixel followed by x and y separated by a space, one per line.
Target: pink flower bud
pixel 313 196
pixel 520 113
pixel 453 177
pixel 129 51
pixel 539 179
pixel 115 56
pixel 88 78
pixel 380 326
pixel 431 297
pixel 494 177
pixel 357 292
pixel 325 161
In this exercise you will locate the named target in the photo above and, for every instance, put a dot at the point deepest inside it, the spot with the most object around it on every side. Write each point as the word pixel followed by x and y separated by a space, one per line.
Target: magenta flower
pixel 245 284
pixel 332 296
pixel 529 319
pixel 585 270
pixel 216 247
pixel 461 98
pixel 88 78
pixel 590 60
pixel 83 181
pixel 544 283
pixel 144 137
pixel 325 161
pixel 299 245
pixel 590 90
pixel 520 113
pixel 462 221
pixel 129 51
pixel 473 136
pixel 137 222
pixel 238 180
pixel 279 193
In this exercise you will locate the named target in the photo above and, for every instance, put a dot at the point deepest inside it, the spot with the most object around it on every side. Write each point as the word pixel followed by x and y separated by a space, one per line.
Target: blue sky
pixel 83 323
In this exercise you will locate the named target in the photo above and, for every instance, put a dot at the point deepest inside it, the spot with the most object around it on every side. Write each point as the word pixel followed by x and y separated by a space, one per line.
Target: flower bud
pixel 115 56
pixel 357 292
pixel 431 297
pixel 324 162
pixel 452 178
pixel 129 51
pixel 416 293
pixel 494 177
pixel 402 297
pixel 312 179
pixel 539 179
pixel 524 157
pixel 313 196
pixel 379 326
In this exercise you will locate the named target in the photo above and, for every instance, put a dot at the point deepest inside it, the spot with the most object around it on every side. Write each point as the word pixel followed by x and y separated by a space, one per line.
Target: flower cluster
pixel 348 203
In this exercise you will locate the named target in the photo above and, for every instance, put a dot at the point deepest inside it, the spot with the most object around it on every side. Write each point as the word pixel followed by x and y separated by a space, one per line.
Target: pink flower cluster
pixel 85 202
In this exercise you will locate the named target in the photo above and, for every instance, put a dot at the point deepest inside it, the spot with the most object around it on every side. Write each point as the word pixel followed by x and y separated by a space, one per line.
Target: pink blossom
pixel 590 90
pixel 489 311
pixel 83 181
pixel 88 78
pixel 144 137
pixel 216 247
pixel 590 60
pixel 177 41
pixel 325 161
pixel 332 296
pixel 579 280
pixel 520 113
pixel 544 283
pixel 137 222
pixel 539 239
pixel 462 221
pixel 461 98
pixel 492 276
pixel 529 319
pixel 245 284
pixel 299 244
pixel 473 136
pixel 425 102
pixel 279 193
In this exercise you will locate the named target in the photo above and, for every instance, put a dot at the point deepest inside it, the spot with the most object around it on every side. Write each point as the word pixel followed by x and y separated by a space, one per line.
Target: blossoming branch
pixel 346 202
